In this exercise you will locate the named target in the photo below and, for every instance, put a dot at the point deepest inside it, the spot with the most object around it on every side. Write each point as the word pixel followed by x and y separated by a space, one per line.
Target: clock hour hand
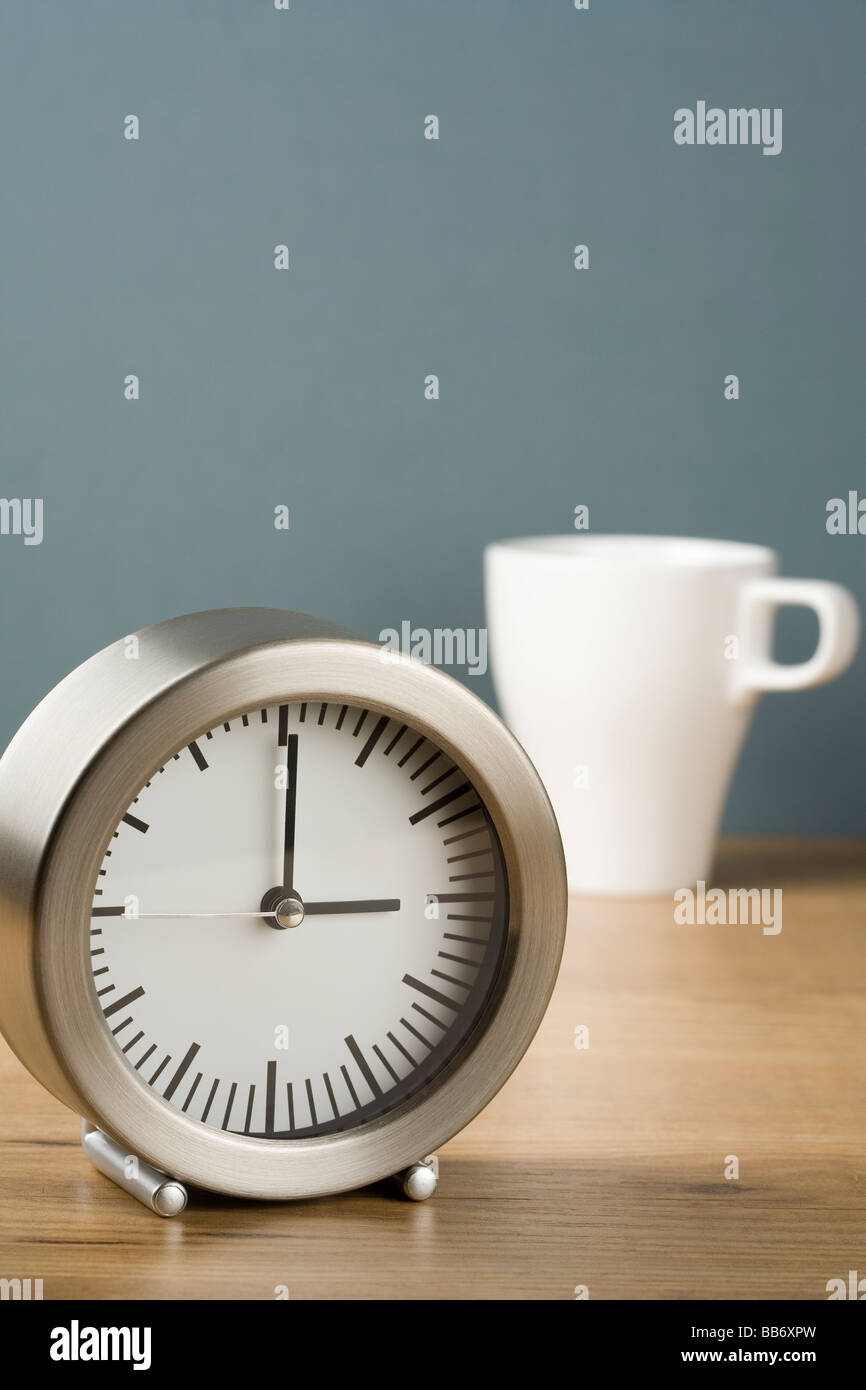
pixel 357 905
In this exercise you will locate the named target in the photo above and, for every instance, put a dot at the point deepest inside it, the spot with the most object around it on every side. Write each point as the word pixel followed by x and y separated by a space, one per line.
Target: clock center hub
pixel 282 908
pixel 289 913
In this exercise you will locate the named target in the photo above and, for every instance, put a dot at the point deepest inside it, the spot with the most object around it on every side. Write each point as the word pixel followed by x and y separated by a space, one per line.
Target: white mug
pixel 629 668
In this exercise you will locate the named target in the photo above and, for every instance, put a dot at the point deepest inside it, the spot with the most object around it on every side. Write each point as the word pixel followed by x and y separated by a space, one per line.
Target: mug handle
pixel 838 634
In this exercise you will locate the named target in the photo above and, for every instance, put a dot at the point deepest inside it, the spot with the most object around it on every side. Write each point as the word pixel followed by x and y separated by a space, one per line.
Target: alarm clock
pixel 280 910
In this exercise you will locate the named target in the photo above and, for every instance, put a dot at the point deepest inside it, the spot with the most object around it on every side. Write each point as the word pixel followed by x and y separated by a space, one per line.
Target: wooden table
pixel 602 1167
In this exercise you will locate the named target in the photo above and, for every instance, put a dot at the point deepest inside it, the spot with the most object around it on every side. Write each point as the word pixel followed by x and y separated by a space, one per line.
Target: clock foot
pixel 420 1180
pixel 150 1186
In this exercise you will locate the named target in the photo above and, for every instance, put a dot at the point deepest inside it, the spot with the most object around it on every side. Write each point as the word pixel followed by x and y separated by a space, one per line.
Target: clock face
pixel 298 921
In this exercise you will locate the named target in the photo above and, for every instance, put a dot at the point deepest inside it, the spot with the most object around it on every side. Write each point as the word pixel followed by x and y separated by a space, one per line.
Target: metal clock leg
pixel 420 1180
pixel 153 1188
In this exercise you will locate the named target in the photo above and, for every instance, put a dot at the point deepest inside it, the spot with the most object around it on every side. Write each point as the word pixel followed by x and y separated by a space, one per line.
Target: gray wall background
pixel 411 257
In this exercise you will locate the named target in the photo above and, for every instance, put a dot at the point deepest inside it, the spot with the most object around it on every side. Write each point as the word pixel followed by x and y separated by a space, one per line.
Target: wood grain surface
pixel 602 1166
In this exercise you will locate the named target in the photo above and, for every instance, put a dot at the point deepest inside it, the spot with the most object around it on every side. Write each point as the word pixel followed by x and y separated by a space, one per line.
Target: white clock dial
pixel 298 921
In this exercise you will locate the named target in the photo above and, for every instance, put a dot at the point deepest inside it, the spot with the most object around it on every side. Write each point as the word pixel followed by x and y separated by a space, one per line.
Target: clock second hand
pixel 321 909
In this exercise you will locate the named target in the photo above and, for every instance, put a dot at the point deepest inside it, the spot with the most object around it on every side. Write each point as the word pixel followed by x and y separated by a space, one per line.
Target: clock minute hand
pixel 291 806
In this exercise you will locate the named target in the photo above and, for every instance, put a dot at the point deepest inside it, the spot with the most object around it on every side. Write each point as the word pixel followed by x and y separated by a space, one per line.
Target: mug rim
pixel 635 551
